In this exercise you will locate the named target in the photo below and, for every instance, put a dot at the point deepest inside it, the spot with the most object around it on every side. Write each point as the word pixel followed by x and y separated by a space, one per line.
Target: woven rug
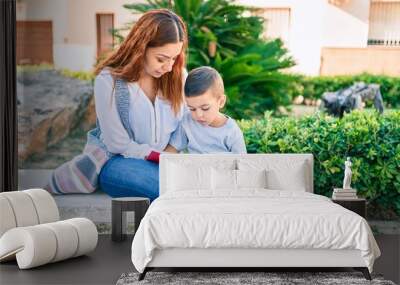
pixel 243 278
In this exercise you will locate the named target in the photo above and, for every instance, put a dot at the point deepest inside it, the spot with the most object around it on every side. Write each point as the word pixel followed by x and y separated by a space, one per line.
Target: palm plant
pixel 223 36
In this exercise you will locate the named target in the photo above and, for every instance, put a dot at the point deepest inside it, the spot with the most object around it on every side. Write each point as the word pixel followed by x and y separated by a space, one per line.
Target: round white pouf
pixel 40 244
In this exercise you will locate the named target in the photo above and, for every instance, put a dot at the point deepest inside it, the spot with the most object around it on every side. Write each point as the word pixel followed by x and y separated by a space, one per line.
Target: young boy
pixel 205 129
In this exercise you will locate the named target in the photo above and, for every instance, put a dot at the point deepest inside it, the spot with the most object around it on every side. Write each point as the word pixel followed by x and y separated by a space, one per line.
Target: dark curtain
pixel 8 98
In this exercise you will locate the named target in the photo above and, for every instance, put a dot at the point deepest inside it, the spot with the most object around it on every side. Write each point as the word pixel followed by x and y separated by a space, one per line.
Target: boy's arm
pixel 237 144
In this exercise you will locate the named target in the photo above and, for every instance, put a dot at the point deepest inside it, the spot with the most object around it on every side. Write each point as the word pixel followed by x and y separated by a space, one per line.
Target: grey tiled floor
pixel 102 266
pixel 110 260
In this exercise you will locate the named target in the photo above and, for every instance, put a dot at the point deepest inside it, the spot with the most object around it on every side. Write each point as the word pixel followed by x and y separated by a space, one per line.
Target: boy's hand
pixel 154 156
pixel 170 148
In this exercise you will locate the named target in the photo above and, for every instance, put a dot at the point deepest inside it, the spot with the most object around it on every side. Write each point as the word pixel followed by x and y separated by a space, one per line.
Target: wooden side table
pixel 119 207
pixel 358 205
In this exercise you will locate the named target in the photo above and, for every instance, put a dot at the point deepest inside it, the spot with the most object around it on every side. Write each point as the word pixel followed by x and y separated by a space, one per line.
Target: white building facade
pixel 68 33
pixel 323 36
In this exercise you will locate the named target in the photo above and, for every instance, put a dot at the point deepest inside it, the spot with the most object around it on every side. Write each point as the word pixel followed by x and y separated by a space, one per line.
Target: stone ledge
pixel 95 206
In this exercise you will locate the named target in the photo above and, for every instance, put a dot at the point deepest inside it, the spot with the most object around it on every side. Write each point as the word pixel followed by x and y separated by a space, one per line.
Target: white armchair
pixel 31 232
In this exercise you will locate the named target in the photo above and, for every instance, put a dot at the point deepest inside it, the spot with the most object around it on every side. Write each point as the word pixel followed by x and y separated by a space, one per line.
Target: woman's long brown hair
pixel 155 28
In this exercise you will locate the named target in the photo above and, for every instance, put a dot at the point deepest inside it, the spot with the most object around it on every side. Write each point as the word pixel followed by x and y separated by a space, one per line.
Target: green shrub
pixel 314 87
pixel 34 67
pixel 372 142
pixel 81 75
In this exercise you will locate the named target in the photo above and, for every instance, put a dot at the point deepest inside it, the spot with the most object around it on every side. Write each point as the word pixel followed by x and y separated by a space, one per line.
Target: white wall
pixel 82 18
pixel 74 57
pixel 45 10
pixel 306 30
pixel 347 25
pixel 316 24
pixel 74 26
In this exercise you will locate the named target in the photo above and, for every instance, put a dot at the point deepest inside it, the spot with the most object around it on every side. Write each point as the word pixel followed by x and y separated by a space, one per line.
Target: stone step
pixel 95 206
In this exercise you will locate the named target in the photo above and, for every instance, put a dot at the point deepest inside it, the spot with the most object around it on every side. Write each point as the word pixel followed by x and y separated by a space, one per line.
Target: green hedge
pixel 372 142
pixel 81 75
pixel 314 87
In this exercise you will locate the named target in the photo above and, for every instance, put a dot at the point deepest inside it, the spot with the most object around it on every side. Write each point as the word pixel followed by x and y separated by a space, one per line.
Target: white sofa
pixel 31 233
pixel 280 223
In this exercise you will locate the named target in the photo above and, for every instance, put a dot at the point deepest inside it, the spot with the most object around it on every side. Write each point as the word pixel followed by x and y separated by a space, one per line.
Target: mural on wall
pixel 294 62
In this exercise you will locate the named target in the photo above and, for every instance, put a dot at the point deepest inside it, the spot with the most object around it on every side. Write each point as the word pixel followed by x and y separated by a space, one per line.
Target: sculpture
pixel 347 174
pixel 348 99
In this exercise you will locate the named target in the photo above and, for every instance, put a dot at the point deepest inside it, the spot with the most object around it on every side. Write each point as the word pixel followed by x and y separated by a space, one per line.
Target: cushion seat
pixel 31 232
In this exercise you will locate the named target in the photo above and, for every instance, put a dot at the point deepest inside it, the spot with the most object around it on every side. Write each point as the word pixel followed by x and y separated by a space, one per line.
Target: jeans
pixel 129 177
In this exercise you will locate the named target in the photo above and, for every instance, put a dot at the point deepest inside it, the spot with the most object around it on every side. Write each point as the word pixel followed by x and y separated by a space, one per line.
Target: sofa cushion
pixel 40 244
pixel 7 216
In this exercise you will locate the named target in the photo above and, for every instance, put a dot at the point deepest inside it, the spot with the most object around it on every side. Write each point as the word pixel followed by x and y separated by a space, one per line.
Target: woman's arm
pixel 178 140
pixel 115 137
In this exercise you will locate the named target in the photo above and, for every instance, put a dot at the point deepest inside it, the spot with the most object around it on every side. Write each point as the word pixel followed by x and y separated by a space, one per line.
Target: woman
pixel 151 62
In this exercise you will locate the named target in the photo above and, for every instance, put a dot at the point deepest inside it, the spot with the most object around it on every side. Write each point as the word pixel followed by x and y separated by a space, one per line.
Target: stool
pixel 119 206
pixel 358 205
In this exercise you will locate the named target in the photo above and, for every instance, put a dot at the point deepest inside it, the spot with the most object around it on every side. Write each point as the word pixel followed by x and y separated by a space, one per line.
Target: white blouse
pixel 152 125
